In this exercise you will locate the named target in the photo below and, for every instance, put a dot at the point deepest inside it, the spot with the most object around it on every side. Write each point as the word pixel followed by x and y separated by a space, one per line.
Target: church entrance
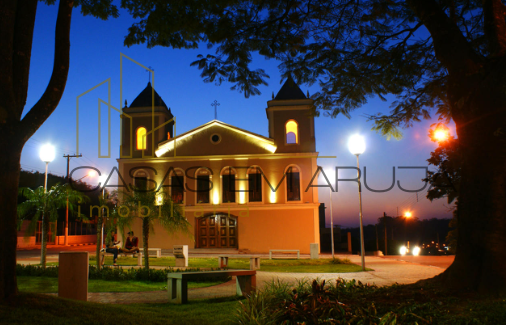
pixel 217 231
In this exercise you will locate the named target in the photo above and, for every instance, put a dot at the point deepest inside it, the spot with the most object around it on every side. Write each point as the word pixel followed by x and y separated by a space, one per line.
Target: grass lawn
pixel 29 308
pixel 39 284
pixel 276 265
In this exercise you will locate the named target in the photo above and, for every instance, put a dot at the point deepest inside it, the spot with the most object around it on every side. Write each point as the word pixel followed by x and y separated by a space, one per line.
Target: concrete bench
pixel 254 261
pixel 102 258
pixel 284 250
pixel 158 251
pixel 177 283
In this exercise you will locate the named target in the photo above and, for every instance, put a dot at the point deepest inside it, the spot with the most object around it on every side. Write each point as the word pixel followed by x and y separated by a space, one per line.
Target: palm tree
pixel 45 205
pixel 150 207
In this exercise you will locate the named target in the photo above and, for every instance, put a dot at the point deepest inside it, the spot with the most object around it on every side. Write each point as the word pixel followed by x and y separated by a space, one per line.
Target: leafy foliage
pixel 38 202
pixel 353 50
pixel 112 274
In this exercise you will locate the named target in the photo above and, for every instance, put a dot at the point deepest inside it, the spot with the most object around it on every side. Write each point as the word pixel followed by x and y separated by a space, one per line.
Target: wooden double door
pixel 217 231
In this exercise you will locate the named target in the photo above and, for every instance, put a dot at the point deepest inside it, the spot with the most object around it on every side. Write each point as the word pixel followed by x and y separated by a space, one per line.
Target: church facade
pixel 238 190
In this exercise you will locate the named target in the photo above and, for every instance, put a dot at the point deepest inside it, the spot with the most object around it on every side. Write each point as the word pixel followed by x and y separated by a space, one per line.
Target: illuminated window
pixel 293 184
pixel 255 184
pixel 177 186
pixel 228 185
pixel 141 138
pixel 204 185
pixel 292 132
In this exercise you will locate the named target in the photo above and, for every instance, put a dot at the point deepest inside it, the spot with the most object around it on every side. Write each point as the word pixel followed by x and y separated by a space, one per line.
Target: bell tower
pixel 291 123
pixel 136 126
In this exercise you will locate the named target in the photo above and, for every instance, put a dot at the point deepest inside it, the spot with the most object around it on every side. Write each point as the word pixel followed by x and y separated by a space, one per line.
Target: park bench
pixel 177 283
pixel 284 250
pixel 158 251
pixel 254 261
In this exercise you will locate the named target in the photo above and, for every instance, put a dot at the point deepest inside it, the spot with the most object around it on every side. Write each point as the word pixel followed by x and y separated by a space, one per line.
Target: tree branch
pixel 495 26
pixel 7 100
pixel 21 54
pixel 54 91
pixel 451 47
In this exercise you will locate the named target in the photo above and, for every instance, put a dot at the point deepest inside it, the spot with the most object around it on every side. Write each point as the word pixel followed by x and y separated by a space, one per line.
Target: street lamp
pixel 407 215
pixel 102 179
pixel 356 145
pixel 46 154
pixel 331 223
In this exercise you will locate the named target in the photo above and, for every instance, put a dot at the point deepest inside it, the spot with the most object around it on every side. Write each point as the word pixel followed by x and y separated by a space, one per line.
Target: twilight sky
pixel 95 56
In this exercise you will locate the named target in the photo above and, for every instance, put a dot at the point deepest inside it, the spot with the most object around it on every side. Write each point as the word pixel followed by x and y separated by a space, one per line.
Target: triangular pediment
pixel 216 138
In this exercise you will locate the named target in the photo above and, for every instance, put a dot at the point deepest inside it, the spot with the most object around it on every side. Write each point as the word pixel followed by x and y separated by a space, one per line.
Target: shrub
pixel 114 274
pixel 317 303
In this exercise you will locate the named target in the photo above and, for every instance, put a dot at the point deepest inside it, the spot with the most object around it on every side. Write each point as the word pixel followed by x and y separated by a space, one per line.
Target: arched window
pixel 255 184
pixel 204 184
pixel 141 138
pixel 177 186
pixel 228 185
pixel 292 132
pixel 141 181
pixel 293 183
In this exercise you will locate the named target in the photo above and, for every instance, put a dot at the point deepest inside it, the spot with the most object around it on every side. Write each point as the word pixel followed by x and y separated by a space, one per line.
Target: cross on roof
pixel 215 104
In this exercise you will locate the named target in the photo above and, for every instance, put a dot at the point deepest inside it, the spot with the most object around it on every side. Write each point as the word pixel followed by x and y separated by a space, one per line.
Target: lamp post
pixel 356 145
pixel 102 180
pixel 407 215
pixel 331 223
pixel 46 154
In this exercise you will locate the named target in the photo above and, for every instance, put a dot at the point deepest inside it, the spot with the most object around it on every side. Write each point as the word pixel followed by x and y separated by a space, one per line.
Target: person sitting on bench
pixel 131 244
pixel 113 246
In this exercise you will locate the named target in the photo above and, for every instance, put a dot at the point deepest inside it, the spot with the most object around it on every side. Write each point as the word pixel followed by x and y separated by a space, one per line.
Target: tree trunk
pixel 99 239
pixel 145 237
pixel 9 174
pixel 479 110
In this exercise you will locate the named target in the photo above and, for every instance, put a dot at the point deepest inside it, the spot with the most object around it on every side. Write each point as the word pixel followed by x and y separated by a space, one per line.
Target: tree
pixel 445 181
pixel 16 24
pixel 44 206
pixel 151 207
pixel 435 56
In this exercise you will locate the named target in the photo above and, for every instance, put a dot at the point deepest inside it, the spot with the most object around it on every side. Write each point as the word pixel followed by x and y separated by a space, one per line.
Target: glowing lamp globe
pixel 46 153
pixel 441 135
pixel 356 144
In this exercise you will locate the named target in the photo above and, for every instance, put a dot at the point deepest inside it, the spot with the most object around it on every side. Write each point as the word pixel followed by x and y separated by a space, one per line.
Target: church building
pixel 259 198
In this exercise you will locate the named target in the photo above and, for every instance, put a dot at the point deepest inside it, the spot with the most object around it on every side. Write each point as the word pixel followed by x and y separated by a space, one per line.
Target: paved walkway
pixel 387 271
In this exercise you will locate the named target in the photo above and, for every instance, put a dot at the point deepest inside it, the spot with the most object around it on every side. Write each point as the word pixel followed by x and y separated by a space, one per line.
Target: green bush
pixel 114 274
pixel 317 303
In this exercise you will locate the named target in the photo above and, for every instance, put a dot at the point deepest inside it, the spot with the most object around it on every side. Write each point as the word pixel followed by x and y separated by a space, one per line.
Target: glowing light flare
pixel 47 153
pixel 356 144
pixel 242 194
pixel 272 198
pixel 216 197
pixel 159 199
pixel 416 251
pixel 441 135
pixel 407 214
pixel 403 250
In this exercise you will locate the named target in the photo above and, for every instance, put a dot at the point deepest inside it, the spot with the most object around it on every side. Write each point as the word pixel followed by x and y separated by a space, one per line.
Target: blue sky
pixel 95 56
